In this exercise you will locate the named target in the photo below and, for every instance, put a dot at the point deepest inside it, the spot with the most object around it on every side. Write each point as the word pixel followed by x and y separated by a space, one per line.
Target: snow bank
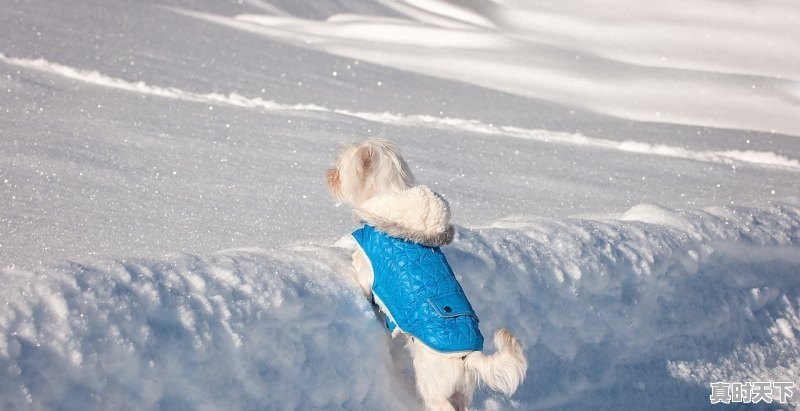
pixel 631 313
pixel 238 330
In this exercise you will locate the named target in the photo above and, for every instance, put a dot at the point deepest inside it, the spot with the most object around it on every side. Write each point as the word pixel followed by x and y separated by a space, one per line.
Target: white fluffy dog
pixel 403 220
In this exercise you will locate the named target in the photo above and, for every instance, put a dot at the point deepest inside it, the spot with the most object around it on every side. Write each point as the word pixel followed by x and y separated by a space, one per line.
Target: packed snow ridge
pixel 635 309
pixel 762 158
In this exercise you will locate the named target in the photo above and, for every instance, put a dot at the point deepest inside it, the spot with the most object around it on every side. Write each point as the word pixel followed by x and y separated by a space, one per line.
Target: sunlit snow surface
pixel 165 235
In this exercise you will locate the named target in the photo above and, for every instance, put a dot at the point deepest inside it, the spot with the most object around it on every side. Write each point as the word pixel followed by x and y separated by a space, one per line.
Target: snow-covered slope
pixel 683 63
pixel 165 235
pixel 143 128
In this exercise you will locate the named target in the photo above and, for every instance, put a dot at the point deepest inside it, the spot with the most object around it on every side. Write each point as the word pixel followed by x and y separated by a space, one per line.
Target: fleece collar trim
pixel 417 214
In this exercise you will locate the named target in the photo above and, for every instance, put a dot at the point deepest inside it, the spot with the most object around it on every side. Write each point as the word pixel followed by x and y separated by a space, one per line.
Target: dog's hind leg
pixel 460 401
pixel 443 405
pixel 433 396
pixel 438 377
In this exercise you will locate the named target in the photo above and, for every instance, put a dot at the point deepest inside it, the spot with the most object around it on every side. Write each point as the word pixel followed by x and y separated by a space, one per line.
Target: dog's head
pixel 366 169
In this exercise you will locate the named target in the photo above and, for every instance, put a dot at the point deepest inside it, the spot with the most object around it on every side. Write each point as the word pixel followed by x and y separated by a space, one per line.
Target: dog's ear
pixel 365 156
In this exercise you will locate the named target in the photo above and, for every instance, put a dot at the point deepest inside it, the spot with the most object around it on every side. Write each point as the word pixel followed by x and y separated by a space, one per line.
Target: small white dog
pixel 398 264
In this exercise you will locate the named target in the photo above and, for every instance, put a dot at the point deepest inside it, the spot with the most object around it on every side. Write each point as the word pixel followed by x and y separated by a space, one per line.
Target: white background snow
pixel 623 175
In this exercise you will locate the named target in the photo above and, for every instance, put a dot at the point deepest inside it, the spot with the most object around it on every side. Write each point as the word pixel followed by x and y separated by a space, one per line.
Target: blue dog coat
pixel 419 292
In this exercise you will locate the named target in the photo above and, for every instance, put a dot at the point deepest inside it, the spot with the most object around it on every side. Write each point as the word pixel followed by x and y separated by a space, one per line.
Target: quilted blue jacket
pixel 419 292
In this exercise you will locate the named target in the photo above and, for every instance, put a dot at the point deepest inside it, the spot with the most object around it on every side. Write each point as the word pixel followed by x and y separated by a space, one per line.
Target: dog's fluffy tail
pixel 505 369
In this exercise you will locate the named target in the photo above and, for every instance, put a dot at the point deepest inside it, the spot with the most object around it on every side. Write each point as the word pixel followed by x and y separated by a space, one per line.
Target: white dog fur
pixel 376 182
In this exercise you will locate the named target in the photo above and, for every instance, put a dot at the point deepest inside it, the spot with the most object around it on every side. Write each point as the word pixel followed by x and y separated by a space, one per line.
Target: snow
pixel 608 309
pixel 640 87
pixel 624 180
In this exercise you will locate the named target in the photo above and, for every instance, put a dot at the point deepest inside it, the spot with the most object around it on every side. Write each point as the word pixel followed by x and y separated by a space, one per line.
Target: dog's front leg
pixel 362 269
pixel 363 272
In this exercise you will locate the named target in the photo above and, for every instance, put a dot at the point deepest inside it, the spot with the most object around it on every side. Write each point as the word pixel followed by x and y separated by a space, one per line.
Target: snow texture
pixel 624 180
pixel 616 314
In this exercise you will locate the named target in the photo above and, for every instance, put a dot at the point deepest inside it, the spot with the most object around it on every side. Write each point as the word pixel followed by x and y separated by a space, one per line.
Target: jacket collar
pixel 417 214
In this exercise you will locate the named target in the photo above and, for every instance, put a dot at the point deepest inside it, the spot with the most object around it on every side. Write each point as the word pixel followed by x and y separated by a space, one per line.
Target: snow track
pixel 752 157
pixel 607 309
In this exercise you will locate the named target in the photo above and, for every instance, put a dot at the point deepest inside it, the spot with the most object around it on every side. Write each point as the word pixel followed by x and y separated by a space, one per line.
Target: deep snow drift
pixel 632 314
pixel 166 238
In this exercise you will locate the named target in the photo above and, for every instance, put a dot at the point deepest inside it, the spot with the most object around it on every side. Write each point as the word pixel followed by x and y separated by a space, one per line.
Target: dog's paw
pixel 347 242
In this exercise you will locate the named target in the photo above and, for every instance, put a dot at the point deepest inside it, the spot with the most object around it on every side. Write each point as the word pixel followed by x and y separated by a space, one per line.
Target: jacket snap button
pixel 447 309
